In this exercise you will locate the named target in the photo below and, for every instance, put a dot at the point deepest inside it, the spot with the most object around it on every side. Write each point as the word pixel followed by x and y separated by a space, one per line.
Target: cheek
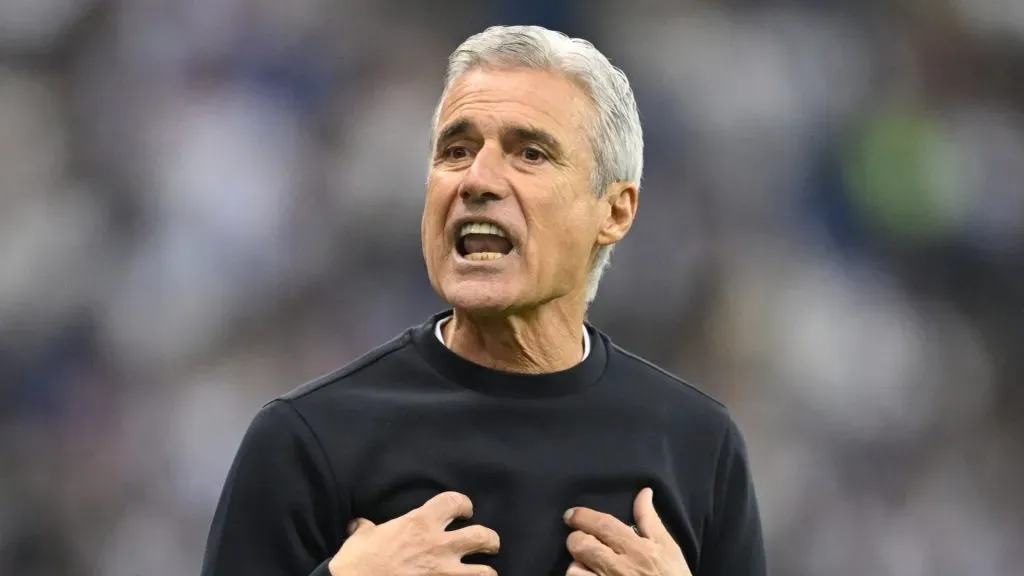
pixel 564 236
pixel 432 223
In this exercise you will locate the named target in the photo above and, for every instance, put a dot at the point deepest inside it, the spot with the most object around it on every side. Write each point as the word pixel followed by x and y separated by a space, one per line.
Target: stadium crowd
pixel 204 203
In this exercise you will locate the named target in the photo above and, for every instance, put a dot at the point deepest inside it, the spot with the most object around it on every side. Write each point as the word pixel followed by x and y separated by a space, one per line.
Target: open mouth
pixel 481 241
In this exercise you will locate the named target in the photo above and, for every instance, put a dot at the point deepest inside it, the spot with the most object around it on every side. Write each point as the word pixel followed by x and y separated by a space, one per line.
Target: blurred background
pixel 204 203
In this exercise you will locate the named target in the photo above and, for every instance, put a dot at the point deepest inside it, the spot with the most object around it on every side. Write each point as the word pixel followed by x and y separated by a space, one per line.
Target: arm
pixel 279 513
pixel 734 545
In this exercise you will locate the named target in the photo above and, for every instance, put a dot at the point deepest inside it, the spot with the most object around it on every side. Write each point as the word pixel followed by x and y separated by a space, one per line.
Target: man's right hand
pixel 417 543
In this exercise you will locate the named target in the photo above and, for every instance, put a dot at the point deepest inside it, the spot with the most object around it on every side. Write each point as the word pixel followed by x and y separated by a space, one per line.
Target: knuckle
pixel 461 539
pixel 493 541
pixel 429 564
pixel 417 525
pixel 576 540
pixel 452 496
pixel 482 535
pixel 477 537
pixel 605 525
pixel 454 499
pixel 647 561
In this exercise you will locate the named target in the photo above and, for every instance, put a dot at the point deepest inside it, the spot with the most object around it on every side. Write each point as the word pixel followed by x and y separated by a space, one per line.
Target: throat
pixel 511 345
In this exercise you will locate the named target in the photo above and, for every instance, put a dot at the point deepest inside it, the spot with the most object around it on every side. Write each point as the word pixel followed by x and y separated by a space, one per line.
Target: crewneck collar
pixel 510 384
pixel 439 334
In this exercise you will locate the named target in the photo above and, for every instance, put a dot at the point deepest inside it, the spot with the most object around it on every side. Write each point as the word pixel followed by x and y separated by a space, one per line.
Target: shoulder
pixel 376 365
pixel 648 375
pixel 666 391
pixel 702 423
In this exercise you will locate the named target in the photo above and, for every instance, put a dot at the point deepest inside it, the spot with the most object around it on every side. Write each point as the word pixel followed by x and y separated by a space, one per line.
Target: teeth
pixel 480 228
pixel 484 256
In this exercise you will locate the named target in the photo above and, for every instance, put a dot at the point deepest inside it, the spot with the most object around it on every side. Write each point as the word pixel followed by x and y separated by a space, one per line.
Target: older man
pixel 506 435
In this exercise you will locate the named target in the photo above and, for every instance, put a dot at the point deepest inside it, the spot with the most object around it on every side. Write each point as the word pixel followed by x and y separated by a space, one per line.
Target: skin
pixel 418 543
pixel 511 147
pixel 602 546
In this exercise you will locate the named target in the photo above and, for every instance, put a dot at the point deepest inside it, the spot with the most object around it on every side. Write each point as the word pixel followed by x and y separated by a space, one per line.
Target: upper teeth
pixel 480 228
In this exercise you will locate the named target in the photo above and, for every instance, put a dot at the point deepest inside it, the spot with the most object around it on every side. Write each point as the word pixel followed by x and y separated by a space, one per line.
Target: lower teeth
pixel 484 256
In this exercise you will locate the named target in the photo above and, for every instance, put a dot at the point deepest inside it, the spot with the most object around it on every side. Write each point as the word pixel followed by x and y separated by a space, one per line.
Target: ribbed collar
pixel 510 384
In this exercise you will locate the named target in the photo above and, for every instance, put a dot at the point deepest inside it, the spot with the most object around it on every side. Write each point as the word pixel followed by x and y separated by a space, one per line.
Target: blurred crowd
pixel 204 203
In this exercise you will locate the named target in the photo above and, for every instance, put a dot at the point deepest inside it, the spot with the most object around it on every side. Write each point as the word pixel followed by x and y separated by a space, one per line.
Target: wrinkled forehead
pixel 491 98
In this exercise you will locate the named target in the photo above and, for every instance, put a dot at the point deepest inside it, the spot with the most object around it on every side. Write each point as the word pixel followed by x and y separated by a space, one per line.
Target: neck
pixel 543 340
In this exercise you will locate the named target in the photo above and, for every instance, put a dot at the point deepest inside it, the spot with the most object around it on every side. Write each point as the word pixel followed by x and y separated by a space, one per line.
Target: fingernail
pixel 352 527
pixel 568 514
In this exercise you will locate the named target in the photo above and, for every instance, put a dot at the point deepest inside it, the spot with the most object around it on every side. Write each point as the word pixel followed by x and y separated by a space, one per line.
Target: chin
pixel 487 297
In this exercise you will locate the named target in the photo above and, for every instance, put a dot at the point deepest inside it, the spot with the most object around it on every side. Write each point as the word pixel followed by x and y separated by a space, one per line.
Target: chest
pixel 523 467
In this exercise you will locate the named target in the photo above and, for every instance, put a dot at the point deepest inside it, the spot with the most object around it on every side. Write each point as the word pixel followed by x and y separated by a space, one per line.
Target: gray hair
pixel 616 137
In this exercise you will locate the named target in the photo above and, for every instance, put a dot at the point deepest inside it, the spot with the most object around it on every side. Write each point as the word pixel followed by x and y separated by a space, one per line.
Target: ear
pixel 621 199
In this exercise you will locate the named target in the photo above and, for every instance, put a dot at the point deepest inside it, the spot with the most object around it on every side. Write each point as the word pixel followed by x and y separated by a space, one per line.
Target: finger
pixel 446 507
pixel 607 528
pixel 474 539
pixel 591 552
pixel 647 519
pixel 577 569
pixel 359 524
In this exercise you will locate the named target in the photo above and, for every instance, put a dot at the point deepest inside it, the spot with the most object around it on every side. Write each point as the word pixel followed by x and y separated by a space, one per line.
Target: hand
pixel 417 543
pixel 601 545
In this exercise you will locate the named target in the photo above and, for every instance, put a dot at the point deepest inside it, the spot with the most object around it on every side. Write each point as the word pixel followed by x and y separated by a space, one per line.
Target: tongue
pixel 486 243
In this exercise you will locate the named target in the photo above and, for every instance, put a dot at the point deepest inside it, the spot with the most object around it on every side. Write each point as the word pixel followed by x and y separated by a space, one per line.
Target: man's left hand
pixel 603 546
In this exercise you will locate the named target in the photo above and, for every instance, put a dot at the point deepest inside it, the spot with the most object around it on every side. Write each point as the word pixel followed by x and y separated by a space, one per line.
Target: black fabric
pixel 322 569
pixel 411 419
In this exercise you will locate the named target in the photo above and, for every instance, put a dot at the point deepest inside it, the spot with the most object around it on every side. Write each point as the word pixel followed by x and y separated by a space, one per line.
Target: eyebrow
pixel 463 126
pixel 542 137
pixel 454 130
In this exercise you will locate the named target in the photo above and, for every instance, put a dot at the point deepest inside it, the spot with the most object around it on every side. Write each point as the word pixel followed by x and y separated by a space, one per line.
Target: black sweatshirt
pixel 411 419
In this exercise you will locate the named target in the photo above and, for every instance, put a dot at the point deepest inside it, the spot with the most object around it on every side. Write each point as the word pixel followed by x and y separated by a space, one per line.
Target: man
pixel 506 436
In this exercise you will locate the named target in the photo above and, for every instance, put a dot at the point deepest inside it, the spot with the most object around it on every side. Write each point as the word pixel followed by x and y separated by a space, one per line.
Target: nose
pixel 485 179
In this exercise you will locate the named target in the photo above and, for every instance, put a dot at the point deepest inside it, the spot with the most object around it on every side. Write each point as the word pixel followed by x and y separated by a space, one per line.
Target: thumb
pixel 647 519
pixel 359 524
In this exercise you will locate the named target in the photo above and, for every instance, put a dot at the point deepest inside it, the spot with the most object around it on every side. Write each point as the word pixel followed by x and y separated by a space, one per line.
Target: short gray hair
pixel 616 138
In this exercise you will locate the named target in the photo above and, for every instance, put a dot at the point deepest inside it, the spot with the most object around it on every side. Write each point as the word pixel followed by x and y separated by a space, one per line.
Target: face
pixel 511 221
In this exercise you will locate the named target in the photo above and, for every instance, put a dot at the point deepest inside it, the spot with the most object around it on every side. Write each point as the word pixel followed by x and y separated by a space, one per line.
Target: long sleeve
pixel 279 512
pixel 735 544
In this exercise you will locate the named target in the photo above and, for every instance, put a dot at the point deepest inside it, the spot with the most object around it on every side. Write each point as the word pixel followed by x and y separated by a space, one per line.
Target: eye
pixel 456 153
pixel 533 155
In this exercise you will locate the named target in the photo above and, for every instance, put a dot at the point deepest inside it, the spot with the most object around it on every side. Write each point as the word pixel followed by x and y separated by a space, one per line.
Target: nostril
pixel 473 194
